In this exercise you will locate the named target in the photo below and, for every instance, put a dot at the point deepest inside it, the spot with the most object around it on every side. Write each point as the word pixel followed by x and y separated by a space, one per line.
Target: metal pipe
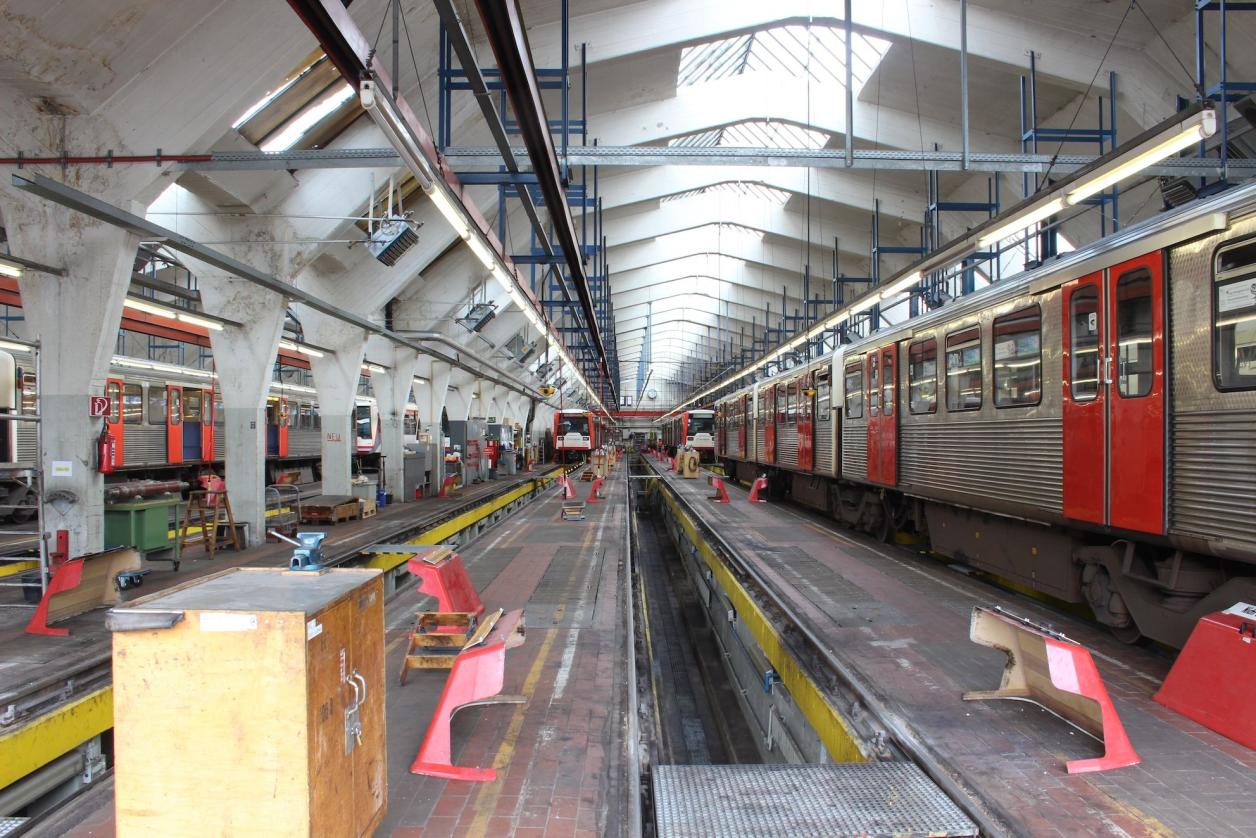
pixel 40 782
pixel 850 92
pixel 963 77
pixel 82 202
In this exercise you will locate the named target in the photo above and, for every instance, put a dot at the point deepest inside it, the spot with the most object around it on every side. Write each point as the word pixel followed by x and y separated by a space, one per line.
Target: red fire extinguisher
pixel 106 451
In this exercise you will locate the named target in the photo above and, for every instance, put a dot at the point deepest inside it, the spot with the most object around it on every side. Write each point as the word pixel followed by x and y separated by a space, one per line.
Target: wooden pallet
pixel 330 509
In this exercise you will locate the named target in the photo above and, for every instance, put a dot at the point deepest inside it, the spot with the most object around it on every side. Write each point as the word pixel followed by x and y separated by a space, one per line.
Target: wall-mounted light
pixel 300 347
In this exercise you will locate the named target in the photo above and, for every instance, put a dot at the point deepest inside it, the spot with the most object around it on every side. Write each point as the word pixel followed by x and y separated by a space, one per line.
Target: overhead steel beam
pixel 503 25
pixel 605 155
pixel 78 201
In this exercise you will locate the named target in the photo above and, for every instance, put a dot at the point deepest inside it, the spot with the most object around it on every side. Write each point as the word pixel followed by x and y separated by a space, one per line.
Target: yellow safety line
pixel 36 744
pixel 838 739
pixel 18 567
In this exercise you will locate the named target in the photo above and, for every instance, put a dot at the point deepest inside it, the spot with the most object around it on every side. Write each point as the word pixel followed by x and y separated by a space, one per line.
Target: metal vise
pixel 309 552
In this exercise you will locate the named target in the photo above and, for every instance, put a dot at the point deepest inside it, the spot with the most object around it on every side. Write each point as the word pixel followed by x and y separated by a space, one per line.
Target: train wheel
pixel 25 510
pixel 1108 604
pixel 883 529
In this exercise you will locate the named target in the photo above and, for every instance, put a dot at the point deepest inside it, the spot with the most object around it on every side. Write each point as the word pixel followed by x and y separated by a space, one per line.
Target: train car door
pixel 872 379
pixel 285 419
pixel 883 415
pixel 806 424
pixel 769 428
pixel 207 425
pixel 113 392
pixel 743 419
pixel 1115 404
pixel 193 425
pixel 1085 399
pixel 174 424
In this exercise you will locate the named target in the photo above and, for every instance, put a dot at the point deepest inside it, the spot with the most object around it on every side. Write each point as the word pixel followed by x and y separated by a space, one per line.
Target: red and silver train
pixel 693 429
pixel 578 432
pixel 1086 428
pixel 166 421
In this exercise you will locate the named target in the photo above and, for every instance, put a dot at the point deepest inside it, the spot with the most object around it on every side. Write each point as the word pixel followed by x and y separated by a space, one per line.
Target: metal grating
pixel 795 801
pixel 8 825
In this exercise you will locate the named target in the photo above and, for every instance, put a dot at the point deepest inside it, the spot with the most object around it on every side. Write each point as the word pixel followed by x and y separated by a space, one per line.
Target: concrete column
pixel 244 358
pixel 336 376
pixel 392 390
pixel 75 317
pixel 467 395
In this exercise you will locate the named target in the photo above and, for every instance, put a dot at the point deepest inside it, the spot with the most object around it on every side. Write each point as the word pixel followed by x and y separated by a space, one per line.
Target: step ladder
pixel 208 510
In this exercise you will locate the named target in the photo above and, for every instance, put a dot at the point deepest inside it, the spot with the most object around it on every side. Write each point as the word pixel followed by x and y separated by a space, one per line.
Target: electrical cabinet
pixel 251 702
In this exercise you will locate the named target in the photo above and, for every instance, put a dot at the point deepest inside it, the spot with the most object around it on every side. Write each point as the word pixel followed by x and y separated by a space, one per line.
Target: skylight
pixel 755 133
pixel 307 119
pixel 736 189
pixel 798 51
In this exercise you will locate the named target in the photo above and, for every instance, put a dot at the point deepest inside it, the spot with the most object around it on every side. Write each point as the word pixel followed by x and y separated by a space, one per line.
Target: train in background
pixel 1086 429
pixel 166 422
pixel 691 429
pixel 576 433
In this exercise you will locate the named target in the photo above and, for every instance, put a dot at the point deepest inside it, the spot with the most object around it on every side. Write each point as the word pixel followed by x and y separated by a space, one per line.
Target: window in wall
pixel 1234 318
pixel 132 404
pixel 854 390
pixel 410 424
pixel 156 404
pixel 1083 349
pixel 963 370
pixel 922 376
pixel 1134 334
pixel 1018 358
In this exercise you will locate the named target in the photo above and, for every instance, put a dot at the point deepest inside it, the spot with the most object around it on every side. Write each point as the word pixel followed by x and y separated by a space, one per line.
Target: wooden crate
pixel 369 506
pixel 234 697
pixel 330 509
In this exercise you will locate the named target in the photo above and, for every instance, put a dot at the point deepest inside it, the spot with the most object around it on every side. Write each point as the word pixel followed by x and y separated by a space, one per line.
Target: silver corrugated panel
pixel 787 445
pixel 854 451
pixel 760 444
pixel 1016 460
pixel 304 443
pixel 1213 475
pixel 220 443
pixel 27 443
pixel 144 445
pixel 796 801
pixel 824 447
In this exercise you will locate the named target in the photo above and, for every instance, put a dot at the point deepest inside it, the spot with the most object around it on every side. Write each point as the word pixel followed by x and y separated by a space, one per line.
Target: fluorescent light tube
pixel 200 321
pixel 1191 133
pixel 16 347
pixel 10 269
pixel 300 347
pixel 1020 222
pixel 457 218
pixel 151 308
pixel 483 252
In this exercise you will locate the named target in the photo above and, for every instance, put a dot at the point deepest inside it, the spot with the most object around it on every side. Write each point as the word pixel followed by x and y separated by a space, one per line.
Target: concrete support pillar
pixel 244 358
pixel 336 376
pixel 75 317
pixel 467 395
pixel 392 390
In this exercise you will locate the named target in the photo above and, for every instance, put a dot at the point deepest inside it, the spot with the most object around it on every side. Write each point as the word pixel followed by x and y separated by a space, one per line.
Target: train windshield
pixel 701 424
pixel 574 423
pixel 362 420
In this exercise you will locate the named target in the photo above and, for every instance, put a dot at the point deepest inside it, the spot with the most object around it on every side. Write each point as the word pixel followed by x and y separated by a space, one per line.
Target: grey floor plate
pixel 795 801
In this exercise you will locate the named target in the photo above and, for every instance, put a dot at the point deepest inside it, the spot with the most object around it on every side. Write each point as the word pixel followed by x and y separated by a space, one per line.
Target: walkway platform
pixel 899 624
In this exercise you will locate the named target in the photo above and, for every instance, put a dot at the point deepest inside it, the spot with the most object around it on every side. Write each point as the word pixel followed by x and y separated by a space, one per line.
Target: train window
pixel 793 408
pixel 922 376
pixel 824 398
pixel 1234 319
pixel 156 405
pixel 1083 350
pixel 854 391
pixel 1018 358
pixel 1134 334
pixel 963 370
pixel 305 416
pixel 887 385
pixel 316 417
pixel 113 391
pixel 192 406
pixel 217 411
pixel 28 394
pixel 132 404
pixel 410 424
pixel 176 406
pixel 874 384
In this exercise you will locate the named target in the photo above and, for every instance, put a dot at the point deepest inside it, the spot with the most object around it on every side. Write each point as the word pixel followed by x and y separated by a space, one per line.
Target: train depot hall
pixel 647 419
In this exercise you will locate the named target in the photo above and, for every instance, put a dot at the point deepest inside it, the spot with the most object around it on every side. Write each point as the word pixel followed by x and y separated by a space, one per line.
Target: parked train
pixel 1086 428
pixel 577 432
pixel 693 429
pixel 167 422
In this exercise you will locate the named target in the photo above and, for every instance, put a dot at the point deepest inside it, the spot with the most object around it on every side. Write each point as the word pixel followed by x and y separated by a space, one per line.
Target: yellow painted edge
pixel 838 739
pixel 33 746
pixel 17 567
pixel 441 533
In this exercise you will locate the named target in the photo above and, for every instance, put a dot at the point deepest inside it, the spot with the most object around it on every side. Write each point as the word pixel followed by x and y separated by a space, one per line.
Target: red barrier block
pixel 1214 678
pixel 446 486
pixel 476 678
pixel 1049 669
pixel 595 491
pixel 447 580
pixel 760 485
pixel 569 491
pixel 79 585
pixel 721 491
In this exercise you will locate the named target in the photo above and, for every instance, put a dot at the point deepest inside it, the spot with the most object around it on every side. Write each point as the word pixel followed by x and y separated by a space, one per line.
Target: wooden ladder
pixel 208 510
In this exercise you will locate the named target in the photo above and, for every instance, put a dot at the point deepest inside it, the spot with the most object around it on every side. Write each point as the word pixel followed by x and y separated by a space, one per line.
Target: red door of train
pixel 883 415
pixel 806 424
pixel 113 392
pixel 1114 396
pixel 769 430
pixel 207 425
pixel 174 424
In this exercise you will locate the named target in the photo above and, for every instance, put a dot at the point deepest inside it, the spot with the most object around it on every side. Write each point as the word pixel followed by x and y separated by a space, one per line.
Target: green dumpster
pixel 143 523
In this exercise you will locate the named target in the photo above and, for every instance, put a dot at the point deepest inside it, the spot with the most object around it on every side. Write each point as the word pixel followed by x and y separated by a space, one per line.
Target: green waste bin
pixel 143 523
